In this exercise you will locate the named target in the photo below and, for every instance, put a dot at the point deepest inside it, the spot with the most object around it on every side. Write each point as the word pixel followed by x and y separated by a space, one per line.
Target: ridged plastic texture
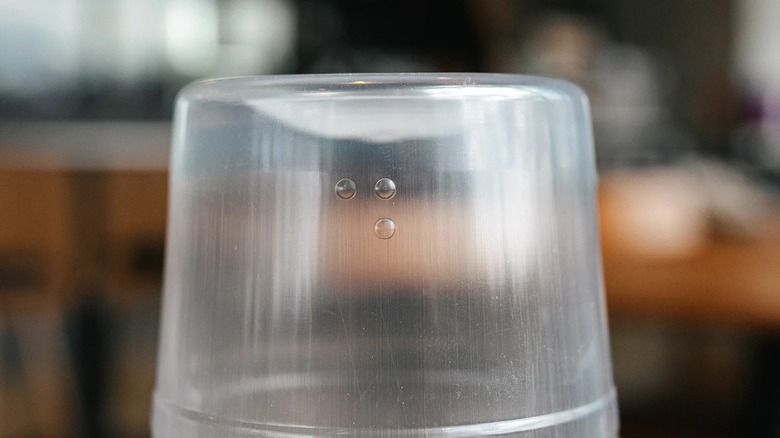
pixel 305 295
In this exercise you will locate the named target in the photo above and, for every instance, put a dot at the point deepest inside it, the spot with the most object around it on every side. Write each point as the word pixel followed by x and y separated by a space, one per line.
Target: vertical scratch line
pixel 349 345
pixel 392 359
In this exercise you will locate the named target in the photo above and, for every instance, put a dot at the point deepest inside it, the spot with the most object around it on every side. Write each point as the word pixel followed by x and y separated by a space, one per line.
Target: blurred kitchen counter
pixel 84 145
pixel 666 259
pixel 728 282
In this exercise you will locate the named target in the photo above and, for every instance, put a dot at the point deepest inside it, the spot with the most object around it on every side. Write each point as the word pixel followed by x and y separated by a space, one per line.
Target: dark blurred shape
pixel 147 259
pixel 376 36
pixel 628 89
pixel 20 272
pixel 89 335
pixel 762 407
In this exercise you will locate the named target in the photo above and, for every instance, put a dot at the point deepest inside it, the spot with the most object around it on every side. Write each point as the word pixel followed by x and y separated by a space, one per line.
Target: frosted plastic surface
pixel 286 314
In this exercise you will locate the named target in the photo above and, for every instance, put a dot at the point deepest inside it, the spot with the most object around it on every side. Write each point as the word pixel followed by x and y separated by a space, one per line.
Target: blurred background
pixel 685 97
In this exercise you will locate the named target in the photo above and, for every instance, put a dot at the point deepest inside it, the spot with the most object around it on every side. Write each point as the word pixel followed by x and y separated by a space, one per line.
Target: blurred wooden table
pixel 667 259
pixel 727 283
pixel 718 281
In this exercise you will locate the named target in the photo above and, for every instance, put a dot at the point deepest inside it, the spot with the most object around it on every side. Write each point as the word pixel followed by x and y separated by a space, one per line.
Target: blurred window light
pixel 39 49
pixel 758 63
pixel 140 30
pixel 191 36
pixel 83 48
pixel 228 38
pixel 757 52
pixel 255 35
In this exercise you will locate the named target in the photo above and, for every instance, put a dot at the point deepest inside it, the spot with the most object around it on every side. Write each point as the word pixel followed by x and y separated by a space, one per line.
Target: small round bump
pixel 346 188
pixel 384 228
pixel 385 188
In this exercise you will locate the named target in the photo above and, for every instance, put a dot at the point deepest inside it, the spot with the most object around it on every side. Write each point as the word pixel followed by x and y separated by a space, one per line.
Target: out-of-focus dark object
pixel 21 272
pixel 633 124
pixel 370 36
pixel 89 338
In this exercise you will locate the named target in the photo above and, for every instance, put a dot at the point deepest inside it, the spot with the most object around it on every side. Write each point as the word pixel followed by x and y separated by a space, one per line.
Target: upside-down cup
pixel 383 256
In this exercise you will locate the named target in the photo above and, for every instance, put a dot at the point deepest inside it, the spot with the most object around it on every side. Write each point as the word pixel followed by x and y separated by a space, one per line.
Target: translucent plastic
pixel 383 255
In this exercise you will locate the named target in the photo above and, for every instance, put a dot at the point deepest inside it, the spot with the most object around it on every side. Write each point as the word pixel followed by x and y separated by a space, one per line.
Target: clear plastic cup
pixel 383 255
